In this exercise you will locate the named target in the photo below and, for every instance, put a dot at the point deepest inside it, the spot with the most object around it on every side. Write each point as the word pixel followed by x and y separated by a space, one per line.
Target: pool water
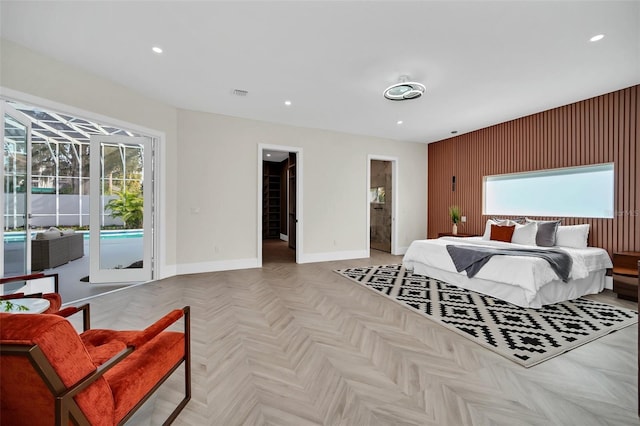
pixel 18 237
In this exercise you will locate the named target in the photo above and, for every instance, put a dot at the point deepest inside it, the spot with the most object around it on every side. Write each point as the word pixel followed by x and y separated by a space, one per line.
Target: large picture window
pixel 585 191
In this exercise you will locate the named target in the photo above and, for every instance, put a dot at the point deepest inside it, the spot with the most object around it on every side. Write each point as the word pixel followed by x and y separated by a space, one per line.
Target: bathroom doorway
pixel 382 203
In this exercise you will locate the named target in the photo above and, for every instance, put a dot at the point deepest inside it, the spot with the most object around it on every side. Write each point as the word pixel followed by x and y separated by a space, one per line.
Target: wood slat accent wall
pixel 598 130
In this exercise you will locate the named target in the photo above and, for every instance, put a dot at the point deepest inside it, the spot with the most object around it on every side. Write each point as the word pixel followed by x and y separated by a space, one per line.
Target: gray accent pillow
pixel 546 235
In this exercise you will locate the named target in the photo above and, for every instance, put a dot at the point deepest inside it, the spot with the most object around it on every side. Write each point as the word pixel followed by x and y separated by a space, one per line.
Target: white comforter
pixel 529 273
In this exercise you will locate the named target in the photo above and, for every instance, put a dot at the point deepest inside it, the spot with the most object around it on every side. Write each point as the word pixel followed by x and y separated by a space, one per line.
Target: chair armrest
pixel 22 277
pixel 12 296
pixel 99 372
pixel 154 329
pixel 86 314
pixel 34 276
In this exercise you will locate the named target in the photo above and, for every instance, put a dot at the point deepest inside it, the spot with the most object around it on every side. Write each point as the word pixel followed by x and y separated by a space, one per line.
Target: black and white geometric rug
pixel 525 336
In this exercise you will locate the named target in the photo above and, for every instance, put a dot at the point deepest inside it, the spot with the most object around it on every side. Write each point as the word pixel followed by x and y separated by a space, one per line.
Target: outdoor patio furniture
pixel 56 250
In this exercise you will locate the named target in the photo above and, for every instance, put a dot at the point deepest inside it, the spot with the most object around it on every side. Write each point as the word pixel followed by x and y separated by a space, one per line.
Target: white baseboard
pixel 284 237
pixel 168 271
pixel 608 283
pixel 221 265
pixel 329 256
pixel 401 251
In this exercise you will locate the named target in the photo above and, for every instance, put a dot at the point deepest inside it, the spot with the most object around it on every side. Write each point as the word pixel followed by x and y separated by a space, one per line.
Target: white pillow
pixel 572 236
pixel 487 229
pixel 525 234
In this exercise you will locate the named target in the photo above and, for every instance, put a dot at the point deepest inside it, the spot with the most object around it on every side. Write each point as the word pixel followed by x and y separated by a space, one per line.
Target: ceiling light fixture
pixel 404 90
pixel 399 122
pixel 287 103
pixel 597 37
pixel 157 49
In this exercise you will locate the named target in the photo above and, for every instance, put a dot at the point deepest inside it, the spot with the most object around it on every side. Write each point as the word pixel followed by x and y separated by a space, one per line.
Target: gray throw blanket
pixel 472 259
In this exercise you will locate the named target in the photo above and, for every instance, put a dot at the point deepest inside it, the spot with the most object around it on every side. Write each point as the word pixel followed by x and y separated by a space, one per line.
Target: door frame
pixel 159 248
pixel 5 108
pixel 299 192
pixel 394 200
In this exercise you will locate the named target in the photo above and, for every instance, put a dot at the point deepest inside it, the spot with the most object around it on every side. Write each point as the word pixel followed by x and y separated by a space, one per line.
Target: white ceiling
pixel 274 156
pixel 482 62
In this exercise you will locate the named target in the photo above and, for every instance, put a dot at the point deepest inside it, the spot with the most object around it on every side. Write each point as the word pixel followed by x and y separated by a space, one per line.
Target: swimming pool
pixel 18 237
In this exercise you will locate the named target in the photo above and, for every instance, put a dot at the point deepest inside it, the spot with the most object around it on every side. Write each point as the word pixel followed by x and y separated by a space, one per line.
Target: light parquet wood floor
pixel 300 345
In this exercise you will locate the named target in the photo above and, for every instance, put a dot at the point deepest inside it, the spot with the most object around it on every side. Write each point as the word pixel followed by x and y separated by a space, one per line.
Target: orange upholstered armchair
pixel 52 375
pixel 49 291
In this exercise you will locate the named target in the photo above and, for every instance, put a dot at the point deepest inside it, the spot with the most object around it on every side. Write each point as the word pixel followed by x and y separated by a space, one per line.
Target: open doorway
pixel 279 237
pixel 382 203
pixel 276 204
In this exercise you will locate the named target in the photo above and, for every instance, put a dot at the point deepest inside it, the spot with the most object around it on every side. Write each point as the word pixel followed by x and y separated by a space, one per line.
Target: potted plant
pixel 8 306
pixel 454 214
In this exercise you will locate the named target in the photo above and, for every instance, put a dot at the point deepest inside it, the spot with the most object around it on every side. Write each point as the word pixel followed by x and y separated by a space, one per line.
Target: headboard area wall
pixel 598 130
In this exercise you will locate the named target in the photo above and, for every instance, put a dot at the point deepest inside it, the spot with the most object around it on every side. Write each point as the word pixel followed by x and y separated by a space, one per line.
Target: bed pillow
pixel 502 233
pixel 572 236
pixel 525 234
pixel 487 229
pixel 519 220
pixel 546 236
pixel 47 235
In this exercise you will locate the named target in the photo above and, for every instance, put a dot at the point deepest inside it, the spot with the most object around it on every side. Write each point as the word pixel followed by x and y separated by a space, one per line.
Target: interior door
pixel 121 237
pixel 293 220
pixel 16 200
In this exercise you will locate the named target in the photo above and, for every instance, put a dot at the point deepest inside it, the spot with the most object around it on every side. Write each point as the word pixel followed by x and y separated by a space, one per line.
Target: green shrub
pixel 129 206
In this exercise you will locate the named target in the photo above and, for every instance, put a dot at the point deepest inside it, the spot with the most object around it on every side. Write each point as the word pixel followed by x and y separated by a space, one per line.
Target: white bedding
pixel 528 274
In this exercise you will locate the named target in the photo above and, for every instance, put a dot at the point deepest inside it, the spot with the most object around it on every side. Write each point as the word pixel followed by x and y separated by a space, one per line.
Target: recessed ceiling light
pixel 287 103
pixel 156 49
pixel 268 155
pixel 597 37
pixel 399 122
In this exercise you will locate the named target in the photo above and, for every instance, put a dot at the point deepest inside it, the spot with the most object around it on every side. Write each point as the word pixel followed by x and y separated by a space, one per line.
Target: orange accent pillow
pixel 502 233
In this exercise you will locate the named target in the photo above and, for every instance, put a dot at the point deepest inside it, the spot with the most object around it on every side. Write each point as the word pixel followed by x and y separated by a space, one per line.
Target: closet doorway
pixel 279 169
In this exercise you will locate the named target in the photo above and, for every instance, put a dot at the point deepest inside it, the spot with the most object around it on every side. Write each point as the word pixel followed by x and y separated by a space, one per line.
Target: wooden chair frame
pixel 66 408
pixel 86 314
pixel 29 277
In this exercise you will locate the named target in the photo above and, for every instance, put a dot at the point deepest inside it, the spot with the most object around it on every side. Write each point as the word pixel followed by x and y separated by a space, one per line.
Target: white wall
pixel 209 201
pixel 218 187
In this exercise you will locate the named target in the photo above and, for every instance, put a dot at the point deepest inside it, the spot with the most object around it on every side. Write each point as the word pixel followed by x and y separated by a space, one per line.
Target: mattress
pixel 524 281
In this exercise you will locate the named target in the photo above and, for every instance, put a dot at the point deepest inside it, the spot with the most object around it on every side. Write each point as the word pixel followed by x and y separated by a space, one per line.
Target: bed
pixel 524 281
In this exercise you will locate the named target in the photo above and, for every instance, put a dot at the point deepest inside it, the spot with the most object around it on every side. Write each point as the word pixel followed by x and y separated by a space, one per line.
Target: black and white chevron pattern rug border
pixel 525 336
